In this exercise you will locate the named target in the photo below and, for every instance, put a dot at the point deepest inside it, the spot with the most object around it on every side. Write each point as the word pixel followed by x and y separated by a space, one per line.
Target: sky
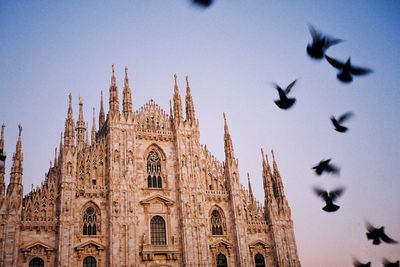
pixel 232 51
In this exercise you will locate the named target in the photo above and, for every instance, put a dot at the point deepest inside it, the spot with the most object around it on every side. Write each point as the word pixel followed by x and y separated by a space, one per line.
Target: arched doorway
pixel 259 260
pixel 36 262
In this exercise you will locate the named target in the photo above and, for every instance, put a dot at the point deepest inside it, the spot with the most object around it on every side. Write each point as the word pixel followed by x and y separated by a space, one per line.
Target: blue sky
pixel 232 53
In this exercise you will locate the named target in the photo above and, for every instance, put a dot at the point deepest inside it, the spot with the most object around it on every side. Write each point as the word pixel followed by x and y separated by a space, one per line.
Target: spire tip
pixel 19 130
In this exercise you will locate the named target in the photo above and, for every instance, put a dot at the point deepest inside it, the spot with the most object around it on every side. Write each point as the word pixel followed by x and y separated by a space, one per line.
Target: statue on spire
pixel 113 101
pixel 127 96
pixel 190 114
pixel 177 103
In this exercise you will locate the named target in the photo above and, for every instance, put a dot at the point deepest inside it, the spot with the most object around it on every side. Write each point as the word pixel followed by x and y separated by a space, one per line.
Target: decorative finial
pixel 112 67
pixel 126 70
pixel 70 98
pixel 19 130
pixel 80 100
pixel 2 130
pixel 187 80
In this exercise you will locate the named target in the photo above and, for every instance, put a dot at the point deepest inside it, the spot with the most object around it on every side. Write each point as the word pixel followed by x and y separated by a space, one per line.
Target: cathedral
pixel 142 191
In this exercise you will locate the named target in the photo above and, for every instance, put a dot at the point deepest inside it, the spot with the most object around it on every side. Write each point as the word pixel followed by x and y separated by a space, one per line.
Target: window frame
pixel 158 240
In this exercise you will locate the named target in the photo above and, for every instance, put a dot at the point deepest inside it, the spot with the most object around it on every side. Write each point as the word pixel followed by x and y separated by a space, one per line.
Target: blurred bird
pixel 357 263
pixel 329 198
pixel 387 263
pixel 337 122
pixel 346 70
pixel 378 234
pixel 284 102
pixel 203 3
pixel 320 43
pixel 325 166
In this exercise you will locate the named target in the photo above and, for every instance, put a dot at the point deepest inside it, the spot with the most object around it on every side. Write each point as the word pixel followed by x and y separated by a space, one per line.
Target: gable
pixel 157 199
pixel 38 245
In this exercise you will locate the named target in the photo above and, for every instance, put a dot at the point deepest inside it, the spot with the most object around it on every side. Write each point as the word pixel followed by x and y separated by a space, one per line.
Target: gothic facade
pixel 142 191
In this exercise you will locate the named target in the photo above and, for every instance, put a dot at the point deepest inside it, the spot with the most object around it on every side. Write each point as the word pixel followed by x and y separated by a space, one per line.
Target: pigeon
pixel 320 43
pixel 329 197
pixel 337 122
pixel 285 102
pixel 346 70
pixel 378 234
pixel 325 166
pixel 387 263
pixel 203 3
pixel 357 263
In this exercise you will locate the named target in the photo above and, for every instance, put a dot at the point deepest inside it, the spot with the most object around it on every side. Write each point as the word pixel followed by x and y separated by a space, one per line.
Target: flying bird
pixel 284 101
pixel 329 198
pixel 378 234
pixel 320 43
pixel 346 70
pixel 326 166
pixel 357 263
pixel 337 122
pixel 387 263
pixel 203 3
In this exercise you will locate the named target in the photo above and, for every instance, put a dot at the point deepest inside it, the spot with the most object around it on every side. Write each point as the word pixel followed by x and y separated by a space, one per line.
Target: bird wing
pixel 329 41
pixel 320 192
pixel 385 261
pixel 334 62
pixel 345 116
pixel 332 168
pixel 289 87
pixel 387 239
pixel 314 33
pixel 336 193
pixel 334 121
pixel 357 263
pixel 359 70
pixel 370 227
pixel 276 86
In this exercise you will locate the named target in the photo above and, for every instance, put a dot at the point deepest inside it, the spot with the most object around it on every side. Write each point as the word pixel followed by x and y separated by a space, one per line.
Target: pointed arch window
pixel 157 231
pixel 216 223
pixel 154 179
pixel 259 260
pixel 89 222
pixel 89 261
pixel 221 260
pixel 36 262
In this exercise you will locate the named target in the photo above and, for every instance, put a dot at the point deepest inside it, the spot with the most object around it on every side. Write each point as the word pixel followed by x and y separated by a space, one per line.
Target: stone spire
pixel 93 136
pixel 69 134
pixel 190 114
pixel 177 103
pixel 127 96
pixel 18 158
pixel 55 157
pixel 101 114
pixel 2 165
pixel 250 190
pixel 80 126
pixel 277 180
pixel 267 177
pixel 2 138
pixel 61 144
pixel 113 101
pixel 87 142
pixel 15 188
pixel 228 141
